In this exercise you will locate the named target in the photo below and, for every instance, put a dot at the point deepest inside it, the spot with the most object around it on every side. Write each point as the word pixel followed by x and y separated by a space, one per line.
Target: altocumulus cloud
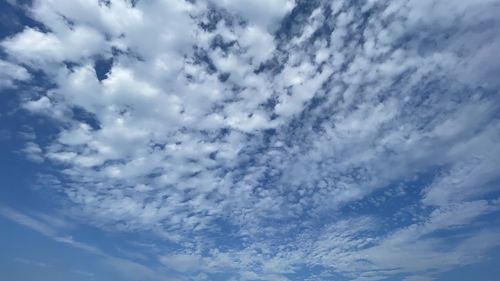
pixel 271 140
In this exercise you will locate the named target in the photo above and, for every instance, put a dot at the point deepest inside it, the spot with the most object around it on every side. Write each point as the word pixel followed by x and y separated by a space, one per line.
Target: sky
pixel 244 140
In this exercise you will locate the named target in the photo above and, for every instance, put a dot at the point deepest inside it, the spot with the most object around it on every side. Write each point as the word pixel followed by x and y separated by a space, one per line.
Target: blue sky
pixel 249 140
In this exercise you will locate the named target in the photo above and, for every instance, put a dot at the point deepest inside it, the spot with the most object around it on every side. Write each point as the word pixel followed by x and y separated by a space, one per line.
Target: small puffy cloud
pixel 11 73
pixel 33 152
pixel 42 49
pixel 41 105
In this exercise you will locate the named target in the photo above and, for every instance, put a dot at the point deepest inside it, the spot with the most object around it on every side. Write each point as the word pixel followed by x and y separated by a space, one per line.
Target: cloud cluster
pixel 267 140
pixel 11 73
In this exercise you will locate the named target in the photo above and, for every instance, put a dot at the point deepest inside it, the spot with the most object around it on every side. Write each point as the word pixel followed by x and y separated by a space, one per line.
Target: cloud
pixel 11 73
pixel 255 138
pixel 181 262
pixel 418 278
pixel 31 262
pixel 128 269
pixel 27 221
pixel 33 152
pixel 83 273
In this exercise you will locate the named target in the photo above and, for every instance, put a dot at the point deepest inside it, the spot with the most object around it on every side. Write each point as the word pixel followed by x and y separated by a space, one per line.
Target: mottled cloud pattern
pixel 272 140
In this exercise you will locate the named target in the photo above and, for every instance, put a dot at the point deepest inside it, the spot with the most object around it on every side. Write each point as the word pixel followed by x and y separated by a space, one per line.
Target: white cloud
pixel 11 73
pixel 181 262
pixel 27 221
pixel 33 152
pixel 31 262
pixel 40 50
pixel 270 130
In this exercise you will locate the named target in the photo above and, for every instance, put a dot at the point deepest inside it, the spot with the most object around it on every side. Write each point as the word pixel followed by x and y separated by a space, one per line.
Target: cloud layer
pixel 286 141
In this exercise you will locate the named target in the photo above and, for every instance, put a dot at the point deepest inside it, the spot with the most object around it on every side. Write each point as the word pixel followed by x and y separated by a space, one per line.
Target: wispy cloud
pixel 129 269
pixel 27 221
pixel 31 262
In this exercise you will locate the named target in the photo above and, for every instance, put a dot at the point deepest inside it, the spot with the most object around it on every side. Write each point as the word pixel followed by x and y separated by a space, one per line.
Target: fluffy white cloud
pixel 10 73
pixel 40 49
